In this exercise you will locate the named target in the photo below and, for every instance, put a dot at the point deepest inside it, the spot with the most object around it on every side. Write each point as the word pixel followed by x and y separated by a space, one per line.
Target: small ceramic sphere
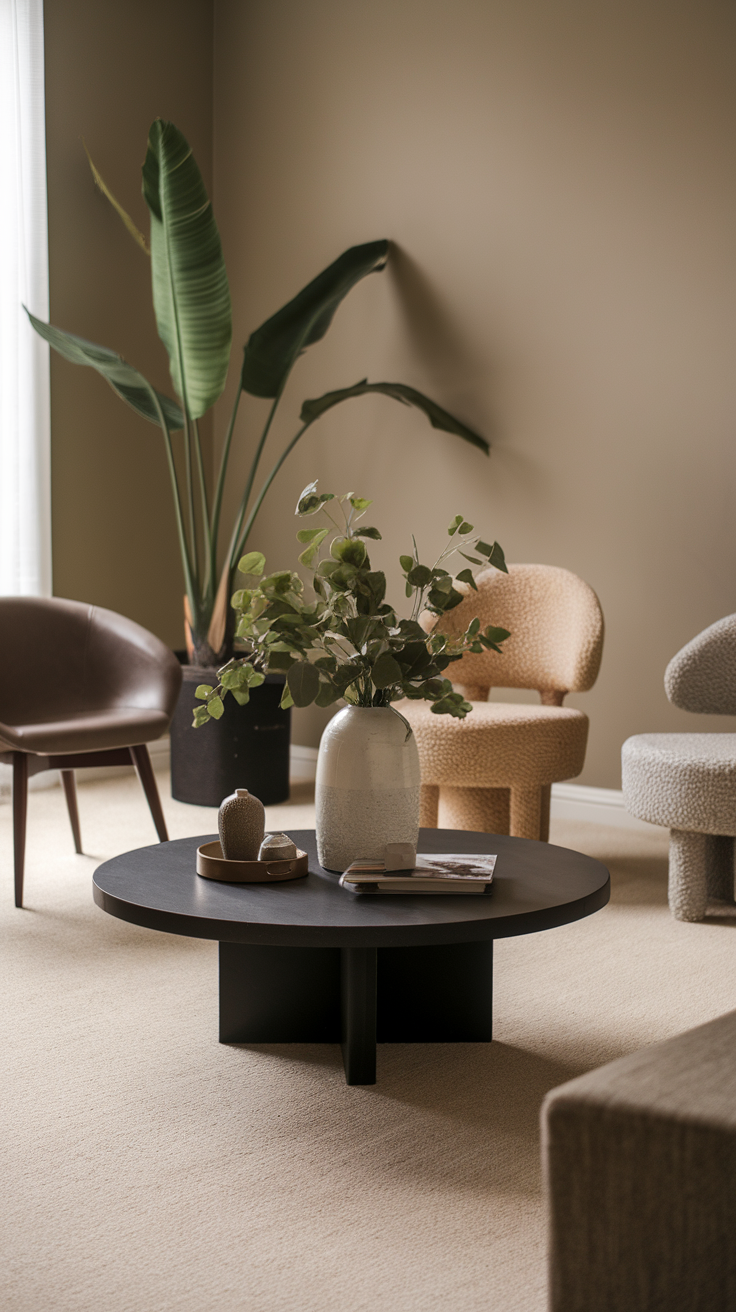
pixel 277 847
pixel 241 822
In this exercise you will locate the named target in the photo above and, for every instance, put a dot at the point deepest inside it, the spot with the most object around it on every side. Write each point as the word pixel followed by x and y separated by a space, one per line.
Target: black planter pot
pixel 247 748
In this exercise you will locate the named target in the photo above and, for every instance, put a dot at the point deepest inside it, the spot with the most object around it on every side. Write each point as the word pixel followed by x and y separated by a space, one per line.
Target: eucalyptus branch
pixel 368 658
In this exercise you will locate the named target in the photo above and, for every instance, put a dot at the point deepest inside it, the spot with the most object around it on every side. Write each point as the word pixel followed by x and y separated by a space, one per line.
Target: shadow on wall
pixel 439 341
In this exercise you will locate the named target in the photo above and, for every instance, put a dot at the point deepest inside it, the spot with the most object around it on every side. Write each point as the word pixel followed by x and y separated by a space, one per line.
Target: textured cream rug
pixel 145 1167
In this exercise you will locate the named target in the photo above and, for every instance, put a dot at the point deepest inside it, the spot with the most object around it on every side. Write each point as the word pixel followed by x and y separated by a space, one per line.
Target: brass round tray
pixel 211 864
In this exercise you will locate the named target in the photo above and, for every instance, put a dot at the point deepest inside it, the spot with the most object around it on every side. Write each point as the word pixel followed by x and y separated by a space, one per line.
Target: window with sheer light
pixel 25 494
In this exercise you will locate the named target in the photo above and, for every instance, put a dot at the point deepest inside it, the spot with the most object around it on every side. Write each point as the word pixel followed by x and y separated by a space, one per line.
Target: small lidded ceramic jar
pixel 277 847
pixel 241 823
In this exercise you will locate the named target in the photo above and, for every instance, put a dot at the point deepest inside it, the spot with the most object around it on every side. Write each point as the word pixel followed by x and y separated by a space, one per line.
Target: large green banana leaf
pixel 437 417
pixel 272 349
pixel 128 382
pixel 191 296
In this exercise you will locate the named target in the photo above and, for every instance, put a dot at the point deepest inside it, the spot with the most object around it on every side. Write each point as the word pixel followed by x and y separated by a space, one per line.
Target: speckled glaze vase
pixel 241 823
pixel 368 782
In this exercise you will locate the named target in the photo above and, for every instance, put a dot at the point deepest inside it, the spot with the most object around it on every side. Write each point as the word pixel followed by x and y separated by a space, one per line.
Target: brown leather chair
pixel 79 686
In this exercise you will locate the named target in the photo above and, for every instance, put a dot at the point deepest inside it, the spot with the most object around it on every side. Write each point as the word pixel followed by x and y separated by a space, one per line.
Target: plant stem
pixel 220 487
pixel 233 550
pixel 183 546
pixel 208 582
pixel 259 500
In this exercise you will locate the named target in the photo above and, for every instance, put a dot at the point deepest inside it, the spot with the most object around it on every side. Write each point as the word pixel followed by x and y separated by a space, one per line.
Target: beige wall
pixel 110 70
pixel 558 180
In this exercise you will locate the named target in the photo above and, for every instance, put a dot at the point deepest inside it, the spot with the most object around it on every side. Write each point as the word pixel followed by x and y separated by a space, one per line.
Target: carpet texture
pixel 146 1167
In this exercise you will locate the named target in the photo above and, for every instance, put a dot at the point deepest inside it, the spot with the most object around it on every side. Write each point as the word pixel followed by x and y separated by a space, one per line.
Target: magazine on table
pixel 434 872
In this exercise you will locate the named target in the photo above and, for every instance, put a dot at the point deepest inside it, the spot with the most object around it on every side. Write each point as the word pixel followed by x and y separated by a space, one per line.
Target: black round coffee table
pixel 305 962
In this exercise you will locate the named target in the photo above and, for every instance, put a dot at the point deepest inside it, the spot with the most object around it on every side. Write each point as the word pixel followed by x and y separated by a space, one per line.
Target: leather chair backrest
pixel 702 677
pixel 59 657
pixel 556 627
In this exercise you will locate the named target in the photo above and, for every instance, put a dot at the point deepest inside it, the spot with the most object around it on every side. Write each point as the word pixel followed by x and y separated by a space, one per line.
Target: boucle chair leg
pixel 688 874
pixel 485 810
pixel 526 812
pixel 429 797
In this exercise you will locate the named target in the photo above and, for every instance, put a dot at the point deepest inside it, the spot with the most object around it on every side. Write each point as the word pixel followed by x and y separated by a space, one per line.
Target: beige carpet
pixel 146 1167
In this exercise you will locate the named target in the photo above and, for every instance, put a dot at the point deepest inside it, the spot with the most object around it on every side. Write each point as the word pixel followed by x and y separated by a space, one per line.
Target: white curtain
pixel 25 460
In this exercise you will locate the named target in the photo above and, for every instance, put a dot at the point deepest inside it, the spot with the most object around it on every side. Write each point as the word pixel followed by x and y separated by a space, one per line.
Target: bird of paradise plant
pixel 191 301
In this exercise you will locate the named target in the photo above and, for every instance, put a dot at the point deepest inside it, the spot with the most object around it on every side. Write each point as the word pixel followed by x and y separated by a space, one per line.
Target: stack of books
pixel 451 872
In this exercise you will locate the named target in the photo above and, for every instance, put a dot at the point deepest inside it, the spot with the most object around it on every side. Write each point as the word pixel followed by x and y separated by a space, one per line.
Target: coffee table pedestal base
pixel 356 997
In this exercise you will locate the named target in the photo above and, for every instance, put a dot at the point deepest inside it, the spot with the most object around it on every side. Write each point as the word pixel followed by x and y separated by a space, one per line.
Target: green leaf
pixel 465 527
pixel 215 708
pixel 419 576
pixel 497 558
pixel 241 695
pixel 371 533
pixel 202 691
pixel 350 551
pixel 328 694
pixel 286 699
pixel 406 563
pixel 437 417
pixel 191 296
pixel 454 526
pixel 272 349
pixel 386 671
pixel 473 559
pixel 312 535
pixel 126 381
pixel 473 626
pixel 253 562
pixel 303 681
pixel 310 500
pixel 200 717
pixel 359 503
pixel 466 576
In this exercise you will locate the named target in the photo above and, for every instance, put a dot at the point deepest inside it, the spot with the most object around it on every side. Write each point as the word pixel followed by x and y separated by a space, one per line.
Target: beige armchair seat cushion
pixel 493 770
pixel 499 745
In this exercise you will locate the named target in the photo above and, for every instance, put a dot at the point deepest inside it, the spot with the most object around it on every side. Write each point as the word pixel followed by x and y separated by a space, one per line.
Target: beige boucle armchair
pixel 493 771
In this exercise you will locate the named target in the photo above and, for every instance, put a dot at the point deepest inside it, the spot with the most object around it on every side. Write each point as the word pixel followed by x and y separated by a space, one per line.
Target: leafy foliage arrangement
pixel 348 641
pixel 191 300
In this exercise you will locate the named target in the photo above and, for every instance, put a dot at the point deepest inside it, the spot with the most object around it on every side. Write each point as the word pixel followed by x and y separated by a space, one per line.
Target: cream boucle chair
pixel 494 770
pixel 687 781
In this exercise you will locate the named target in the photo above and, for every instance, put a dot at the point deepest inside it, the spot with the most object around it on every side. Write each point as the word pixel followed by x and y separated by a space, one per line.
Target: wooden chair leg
pixel 20 810
pixel 142 762
pixel 70 793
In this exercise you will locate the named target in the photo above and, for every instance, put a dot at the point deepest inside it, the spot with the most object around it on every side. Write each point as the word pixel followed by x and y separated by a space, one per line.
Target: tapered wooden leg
pixel 142 762
pixel 20 809
pixel 70 793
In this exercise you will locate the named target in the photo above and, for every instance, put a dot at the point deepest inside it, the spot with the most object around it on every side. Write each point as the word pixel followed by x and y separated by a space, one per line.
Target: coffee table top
pixel 536 886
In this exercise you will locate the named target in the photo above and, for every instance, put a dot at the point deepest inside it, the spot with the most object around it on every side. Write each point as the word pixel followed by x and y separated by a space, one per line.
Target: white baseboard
pixel 600 806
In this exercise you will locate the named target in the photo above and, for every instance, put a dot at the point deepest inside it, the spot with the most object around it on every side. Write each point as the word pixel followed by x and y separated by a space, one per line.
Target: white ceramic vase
pixel 368 782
